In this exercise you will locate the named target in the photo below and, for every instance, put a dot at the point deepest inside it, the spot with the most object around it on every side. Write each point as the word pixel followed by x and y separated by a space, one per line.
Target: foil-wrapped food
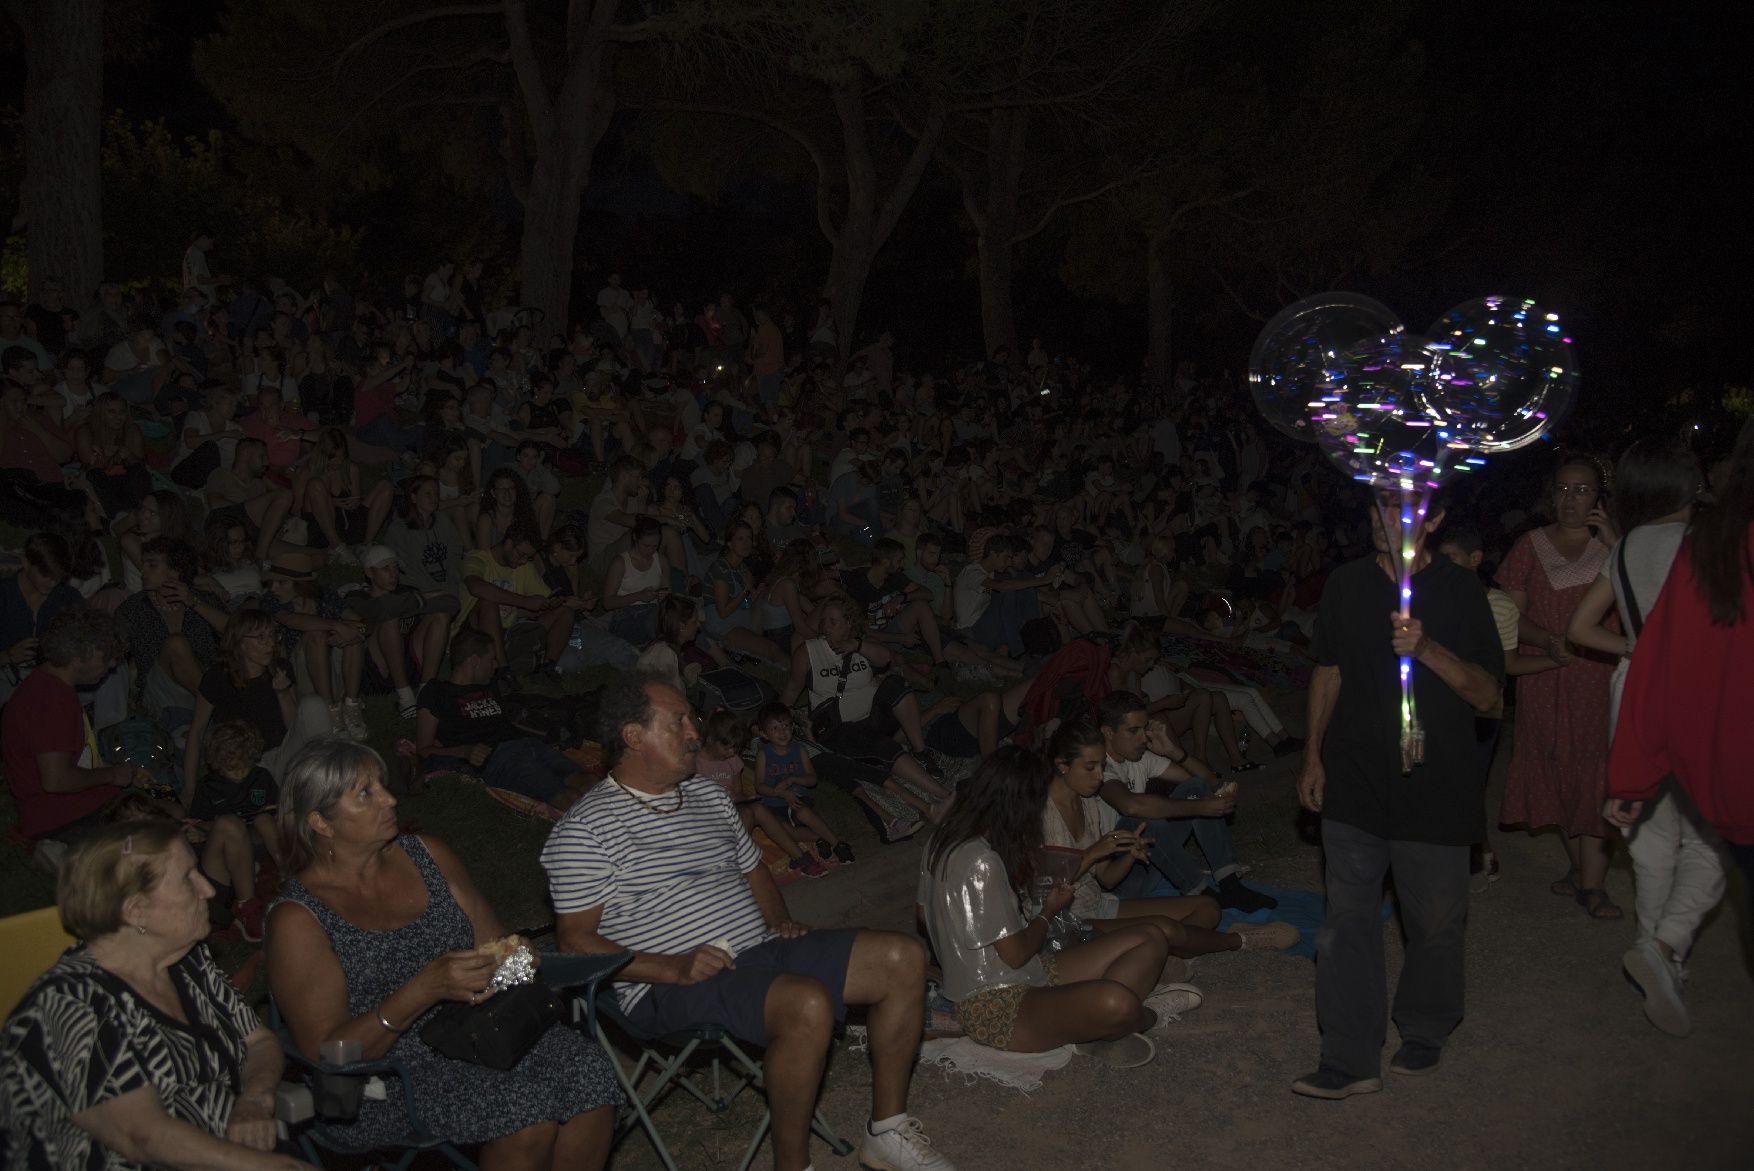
pixel 517 963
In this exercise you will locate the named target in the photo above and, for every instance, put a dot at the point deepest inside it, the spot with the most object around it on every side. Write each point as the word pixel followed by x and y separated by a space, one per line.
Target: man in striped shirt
pixel 655 860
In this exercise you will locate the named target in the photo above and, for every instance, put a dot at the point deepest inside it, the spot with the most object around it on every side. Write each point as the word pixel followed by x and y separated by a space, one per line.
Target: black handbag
pixel 498 1031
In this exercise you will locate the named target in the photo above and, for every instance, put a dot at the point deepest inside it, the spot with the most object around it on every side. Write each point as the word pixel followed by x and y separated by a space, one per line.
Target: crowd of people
pixel 974 599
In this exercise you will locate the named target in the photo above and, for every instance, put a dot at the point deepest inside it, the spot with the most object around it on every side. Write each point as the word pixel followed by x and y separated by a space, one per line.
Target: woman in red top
pixel 1559 767
pixel 1684 709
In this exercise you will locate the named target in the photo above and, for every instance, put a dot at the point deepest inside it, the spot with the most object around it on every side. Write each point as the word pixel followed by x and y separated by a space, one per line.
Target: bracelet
pixel 384 1022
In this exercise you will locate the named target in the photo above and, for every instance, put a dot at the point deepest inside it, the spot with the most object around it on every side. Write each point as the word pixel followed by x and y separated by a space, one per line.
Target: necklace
pixel 649 803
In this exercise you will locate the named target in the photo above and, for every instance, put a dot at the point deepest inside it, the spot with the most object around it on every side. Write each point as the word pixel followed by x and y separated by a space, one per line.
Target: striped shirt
pixel 667 882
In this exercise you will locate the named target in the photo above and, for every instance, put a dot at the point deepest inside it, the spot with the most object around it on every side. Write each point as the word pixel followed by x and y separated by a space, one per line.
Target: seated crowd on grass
pixel 944 590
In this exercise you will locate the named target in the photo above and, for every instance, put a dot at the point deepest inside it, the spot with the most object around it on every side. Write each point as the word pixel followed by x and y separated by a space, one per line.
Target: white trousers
pixel 1677 867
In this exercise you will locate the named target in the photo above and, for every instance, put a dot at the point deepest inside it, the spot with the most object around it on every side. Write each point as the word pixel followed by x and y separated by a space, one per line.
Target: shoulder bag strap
pixel 1634 614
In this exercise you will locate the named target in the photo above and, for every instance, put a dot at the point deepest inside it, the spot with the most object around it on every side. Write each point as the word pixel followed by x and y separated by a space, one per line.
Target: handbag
pixel 499 1031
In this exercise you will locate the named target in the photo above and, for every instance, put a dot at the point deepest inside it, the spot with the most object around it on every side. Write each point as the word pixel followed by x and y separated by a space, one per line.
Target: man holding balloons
pixel 1381 814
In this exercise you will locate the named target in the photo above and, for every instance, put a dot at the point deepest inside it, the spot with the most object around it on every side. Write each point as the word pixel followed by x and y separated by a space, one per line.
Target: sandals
pixel 1598 904
pixel 1566 886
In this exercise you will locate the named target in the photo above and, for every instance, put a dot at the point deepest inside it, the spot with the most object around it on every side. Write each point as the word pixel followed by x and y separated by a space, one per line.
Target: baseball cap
pixel 379 556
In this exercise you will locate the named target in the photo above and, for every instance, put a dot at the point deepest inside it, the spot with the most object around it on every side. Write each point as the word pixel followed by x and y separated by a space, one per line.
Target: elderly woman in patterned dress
pixel 134 1049
pixel 375 931
pixel 1558 771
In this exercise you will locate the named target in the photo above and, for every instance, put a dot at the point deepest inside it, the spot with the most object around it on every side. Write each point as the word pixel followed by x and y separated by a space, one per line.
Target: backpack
pixel 732 688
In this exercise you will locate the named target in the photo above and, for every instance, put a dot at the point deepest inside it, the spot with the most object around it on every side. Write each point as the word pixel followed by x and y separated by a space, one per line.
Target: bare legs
pixel 582 1141
pixel 1100 996
pixel 887 973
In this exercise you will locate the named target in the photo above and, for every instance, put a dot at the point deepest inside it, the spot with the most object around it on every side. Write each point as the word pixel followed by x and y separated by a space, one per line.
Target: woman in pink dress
pixel 1558 770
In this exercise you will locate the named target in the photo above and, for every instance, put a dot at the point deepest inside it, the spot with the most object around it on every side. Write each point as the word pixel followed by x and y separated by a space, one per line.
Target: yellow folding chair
pixel 29 943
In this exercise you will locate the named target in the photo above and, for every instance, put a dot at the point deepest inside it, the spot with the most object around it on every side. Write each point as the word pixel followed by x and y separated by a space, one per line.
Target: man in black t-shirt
pixel 463 725
pixel 1377 817
pixel 898 611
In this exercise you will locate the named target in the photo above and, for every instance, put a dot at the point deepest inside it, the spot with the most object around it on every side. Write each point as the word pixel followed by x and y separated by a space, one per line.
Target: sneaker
pixel 248 917
pixel 1130 1052
pixel 808 866
pixel 843 853
pixel 1655 975
pixel 1287 746
pixel 903 1148
pixel 353 715
pixel 1275 936
pixel 1415 1057
pixel 1330 1084
pixel 1248 766
pixel 1234 895
pixel 898 829
pixel 342 555
pixel 824 851
pixel 1170 1001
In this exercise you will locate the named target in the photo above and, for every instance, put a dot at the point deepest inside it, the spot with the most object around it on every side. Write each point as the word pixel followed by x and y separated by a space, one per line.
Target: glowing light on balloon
pixel 1404 413
pixel 1295 354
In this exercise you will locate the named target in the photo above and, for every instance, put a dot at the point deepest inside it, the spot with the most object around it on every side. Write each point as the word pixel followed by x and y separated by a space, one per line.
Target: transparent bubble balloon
pixel 1293 358
pixel 1505 372
pixel 1372 417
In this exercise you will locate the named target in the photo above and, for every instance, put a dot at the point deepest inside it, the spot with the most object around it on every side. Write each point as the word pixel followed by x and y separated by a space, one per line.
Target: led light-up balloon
pixel 1505 372
pixel 1294 356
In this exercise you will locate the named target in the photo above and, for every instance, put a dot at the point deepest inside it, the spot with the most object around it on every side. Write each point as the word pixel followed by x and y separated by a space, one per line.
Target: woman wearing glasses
pixel 1559 768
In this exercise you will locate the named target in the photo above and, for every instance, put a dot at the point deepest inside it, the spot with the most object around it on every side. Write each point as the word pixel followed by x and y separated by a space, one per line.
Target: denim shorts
pixel 736 999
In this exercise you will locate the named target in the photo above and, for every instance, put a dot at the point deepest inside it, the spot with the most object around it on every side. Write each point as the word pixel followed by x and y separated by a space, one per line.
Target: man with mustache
pixel 655 859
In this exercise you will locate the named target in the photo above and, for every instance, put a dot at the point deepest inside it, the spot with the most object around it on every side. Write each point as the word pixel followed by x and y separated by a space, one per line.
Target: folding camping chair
pixel 582 974
pixel 731 1070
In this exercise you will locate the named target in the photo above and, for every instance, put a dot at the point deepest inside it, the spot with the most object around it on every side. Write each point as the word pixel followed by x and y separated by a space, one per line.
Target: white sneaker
pixel 1655 974
pixel 342 555
pixel 353 720
pixel 906 1148
pixel 1130 1052
pixel 1169 1001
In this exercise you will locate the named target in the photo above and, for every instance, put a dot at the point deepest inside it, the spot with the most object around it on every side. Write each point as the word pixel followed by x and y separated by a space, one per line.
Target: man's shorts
pixel 736 999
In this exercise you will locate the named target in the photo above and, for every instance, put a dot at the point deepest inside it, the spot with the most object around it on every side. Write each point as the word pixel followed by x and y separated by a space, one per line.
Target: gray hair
pixel 314 781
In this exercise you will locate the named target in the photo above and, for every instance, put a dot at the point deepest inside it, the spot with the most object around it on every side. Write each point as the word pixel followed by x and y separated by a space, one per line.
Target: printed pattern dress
pixel 1559 766
pixel 565 1074
pixel 82 1037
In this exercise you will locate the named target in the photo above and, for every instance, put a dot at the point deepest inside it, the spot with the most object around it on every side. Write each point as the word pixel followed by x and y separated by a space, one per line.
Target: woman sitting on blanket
pixel 1007 995
pixel 1115 875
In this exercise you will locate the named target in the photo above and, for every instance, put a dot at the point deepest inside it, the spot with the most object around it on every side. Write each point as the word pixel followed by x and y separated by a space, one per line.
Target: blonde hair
pixel 234 746
pixel 108 866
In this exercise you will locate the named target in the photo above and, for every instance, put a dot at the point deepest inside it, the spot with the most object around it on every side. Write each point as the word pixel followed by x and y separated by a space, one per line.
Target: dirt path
pixel 1554 1067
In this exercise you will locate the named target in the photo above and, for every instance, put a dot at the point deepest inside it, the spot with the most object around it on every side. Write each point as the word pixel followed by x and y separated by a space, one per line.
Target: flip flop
pixel 1596 901
pixel 1566 886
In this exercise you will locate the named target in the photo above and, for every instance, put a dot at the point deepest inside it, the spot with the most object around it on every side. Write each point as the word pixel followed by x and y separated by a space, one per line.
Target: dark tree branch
pixel 449 12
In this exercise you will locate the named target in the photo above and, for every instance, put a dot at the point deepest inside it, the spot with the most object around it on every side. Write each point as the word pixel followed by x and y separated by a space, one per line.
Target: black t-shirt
pixel 468 713
pixel 1442 800
pixel 875 597
pixel 254 702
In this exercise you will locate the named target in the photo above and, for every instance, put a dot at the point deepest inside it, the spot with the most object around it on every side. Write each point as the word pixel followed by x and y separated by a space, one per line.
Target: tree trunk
pixel 849 268
pixel 867 224
pixel 997 223
pixel 566 127
pixel 998 324
pixel 551 226
pixel 62 190
pixel 1158 285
